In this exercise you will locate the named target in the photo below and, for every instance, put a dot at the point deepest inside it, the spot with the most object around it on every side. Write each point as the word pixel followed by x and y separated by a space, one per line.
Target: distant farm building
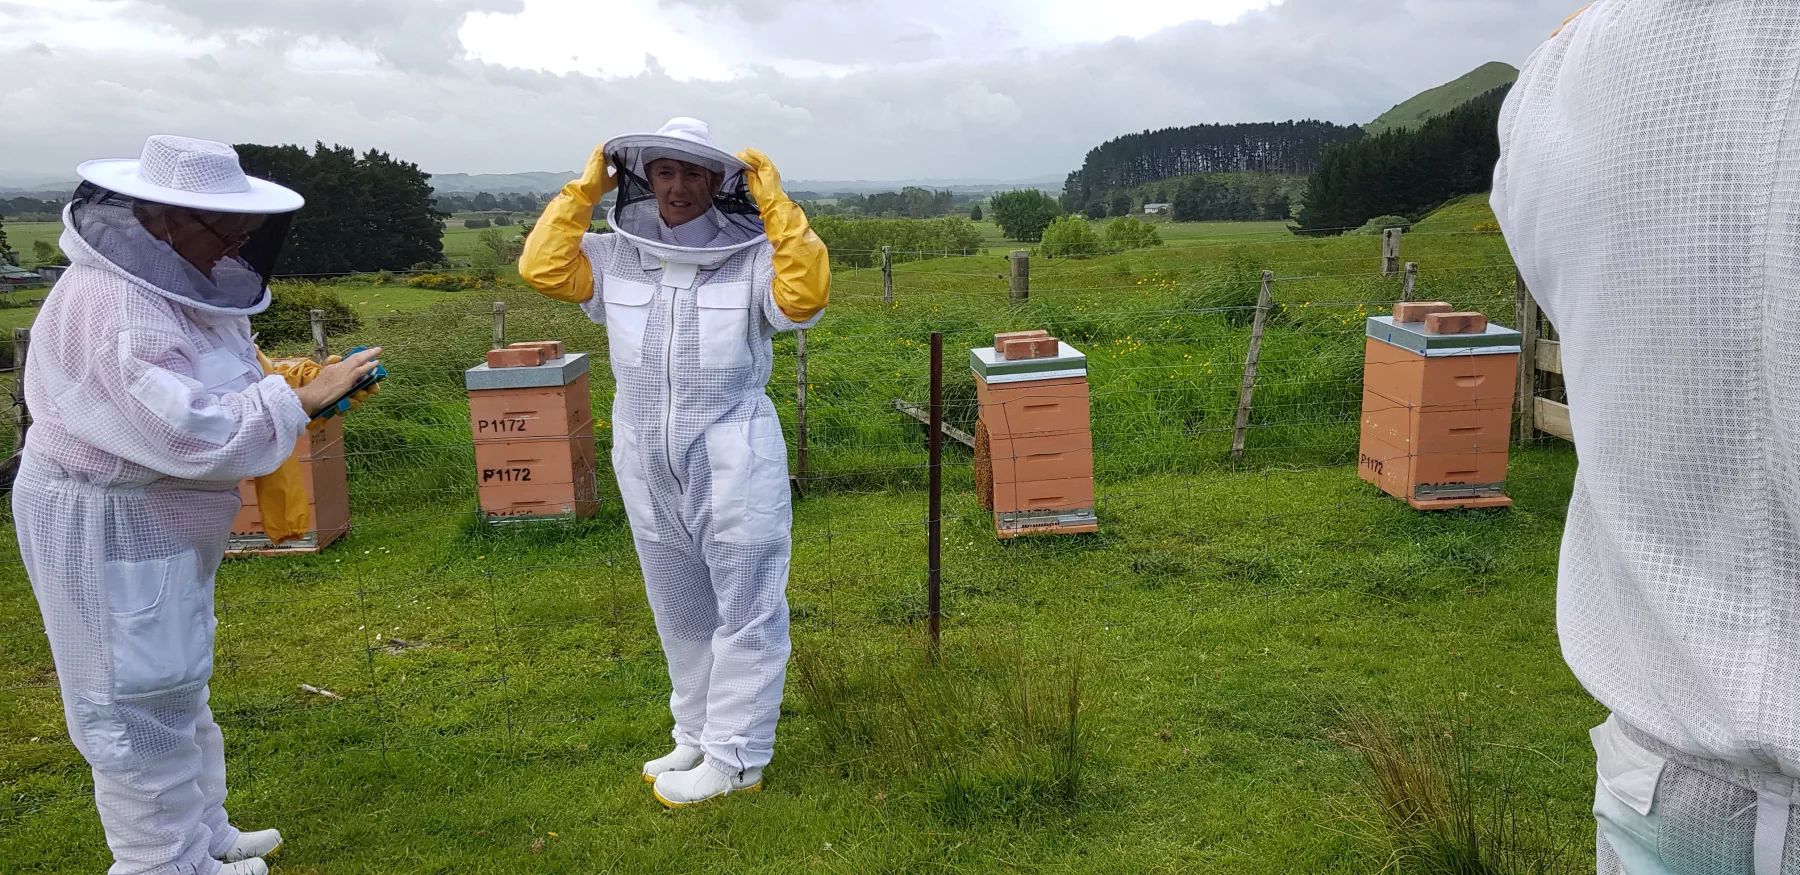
pixel 1157 209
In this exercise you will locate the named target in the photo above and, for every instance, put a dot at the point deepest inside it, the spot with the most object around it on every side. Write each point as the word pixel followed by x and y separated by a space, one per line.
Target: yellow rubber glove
pixel 281 495
pixel 552 261
pixel 802 264
pixel 356 400
pixel 1559 28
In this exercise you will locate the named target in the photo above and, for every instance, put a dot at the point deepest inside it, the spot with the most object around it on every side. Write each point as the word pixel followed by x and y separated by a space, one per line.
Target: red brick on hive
pixel 1455 323
pixel 515 357
pixel 1416 311
pixel 552 349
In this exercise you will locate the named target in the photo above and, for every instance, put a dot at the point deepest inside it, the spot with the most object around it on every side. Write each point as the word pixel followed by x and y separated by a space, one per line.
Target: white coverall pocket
pixel 628 305
pixel 1627 771
pixel 749 481
pixel 724 325
pixel 160 628
pixel 634 490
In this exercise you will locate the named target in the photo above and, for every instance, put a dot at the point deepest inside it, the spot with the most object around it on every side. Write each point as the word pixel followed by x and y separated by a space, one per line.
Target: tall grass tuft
pixel 1436 814
pixel 989 735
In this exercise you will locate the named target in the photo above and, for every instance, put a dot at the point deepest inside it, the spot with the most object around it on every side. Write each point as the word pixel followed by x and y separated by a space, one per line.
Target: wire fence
pixel 430 627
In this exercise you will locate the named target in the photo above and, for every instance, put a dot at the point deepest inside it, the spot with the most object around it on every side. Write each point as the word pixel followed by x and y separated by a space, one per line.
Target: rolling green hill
pixel 1444 98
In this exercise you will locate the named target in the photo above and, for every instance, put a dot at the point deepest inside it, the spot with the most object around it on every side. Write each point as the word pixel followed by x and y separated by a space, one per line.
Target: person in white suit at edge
pixel 150 403
pixel 1649 189
pixel 709 259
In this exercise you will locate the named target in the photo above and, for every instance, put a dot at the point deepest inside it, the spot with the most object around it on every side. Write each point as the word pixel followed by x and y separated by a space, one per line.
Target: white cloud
pixel 831 93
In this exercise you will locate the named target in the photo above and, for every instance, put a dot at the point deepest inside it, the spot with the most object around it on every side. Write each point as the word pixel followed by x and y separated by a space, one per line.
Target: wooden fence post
pixel 1526 312
pixel 1021 275
pixel 1412 279
pixel 21 351
pixel 499 324
pixel 1248 389
pixel 887 275
pixel 1390 252
pixel 321 351
pixel 800 404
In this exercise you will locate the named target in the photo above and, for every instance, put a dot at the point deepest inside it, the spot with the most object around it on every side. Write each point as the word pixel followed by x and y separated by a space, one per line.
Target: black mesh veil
pixel 733 197
pixel 113 224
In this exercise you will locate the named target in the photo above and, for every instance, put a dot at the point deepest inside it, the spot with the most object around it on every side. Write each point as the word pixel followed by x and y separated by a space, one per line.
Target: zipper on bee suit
pixel 687 273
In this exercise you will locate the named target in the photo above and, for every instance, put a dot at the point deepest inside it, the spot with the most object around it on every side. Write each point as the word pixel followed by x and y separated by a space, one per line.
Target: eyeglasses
pixel 232 243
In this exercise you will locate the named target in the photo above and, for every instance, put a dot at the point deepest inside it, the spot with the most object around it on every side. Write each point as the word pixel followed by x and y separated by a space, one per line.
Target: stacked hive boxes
pixel 1037 472
pixel 321 455
pixel 533 425
pixel 1437 406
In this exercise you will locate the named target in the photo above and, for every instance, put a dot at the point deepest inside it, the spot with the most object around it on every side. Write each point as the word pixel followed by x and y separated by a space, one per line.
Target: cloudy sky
pixel 831 89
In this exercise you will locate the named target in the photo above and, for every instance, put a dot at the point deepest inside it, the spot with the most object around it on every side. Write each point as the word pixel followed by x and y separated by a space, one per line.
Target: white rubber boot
pixel 681 789
pixel 261 843
pixel 252 866
pixel 682 758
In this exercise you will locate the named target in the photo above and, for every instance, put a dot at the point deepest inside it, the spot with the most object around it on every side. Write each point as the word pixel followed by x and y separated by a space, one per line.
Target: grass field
pixel 1218 639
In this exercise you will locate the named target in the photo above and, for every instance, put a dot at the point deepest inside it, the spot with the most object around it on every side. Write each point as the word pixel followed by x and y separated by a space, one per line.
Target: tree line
pixel 33 209
pixel 1151 156
pixel 363 212
pixel 487 202
pixel 1407 172
pixel 911 202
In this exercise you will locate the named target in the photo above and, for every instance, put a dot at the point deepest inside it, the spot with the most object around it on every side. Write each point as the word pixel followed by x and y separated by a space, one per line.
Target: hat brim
pixel 121 175
pixel 674 144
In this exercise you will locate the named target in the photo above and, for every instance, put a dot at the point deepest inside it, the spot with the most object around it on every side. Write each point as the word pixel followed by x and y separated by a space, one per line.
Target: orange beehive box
pixel 530 414
pixel 1437 413
pixel 533 429
pixel 327 480
pixel 1038 469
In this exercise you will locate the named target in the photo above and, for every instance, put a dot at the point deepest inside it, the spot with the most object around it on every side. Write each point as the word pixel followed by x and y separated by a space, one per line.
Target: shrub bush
pixel 1072 237
pixel 444 282
pixel 1488 228
pixel 1130 233
pixel 858 242
pixel 477 223
pixel 1375 226
pixel 289 317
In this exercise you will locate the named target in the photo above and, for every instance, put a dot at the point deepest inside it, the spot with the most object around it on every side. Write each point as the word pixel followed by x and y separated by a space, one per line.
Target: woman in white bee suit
pixel 1649 188
pixel 692 286
pixel 150 405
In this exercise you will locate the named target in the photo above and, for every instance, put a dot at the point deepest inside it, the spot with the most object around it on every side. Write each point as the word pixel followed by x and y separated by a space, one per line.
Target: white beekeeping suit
pixel 1649 188
pixel 149 407
pixel 701 462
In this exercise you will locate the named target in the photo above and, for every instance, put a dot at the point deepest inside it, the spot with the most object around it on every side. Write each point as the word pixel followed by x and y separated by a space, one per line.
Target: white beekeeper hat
pixel 185 172
pixel 682 138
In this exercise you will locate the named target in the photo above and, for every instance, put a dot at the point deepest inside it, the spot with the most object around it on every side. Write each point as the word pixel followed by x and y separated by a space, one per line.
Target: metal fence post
pixel 1021 275
pixel 887 275
pixel 499 324
pixel 934 513
pixel 1251 358
pixel 321 351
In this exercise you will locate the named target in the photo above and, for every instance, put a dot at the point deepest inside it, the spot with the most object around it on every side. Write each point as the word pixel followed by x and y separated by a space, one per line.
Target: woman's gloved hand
pixel 552 261
pixel 331 381
pixel 802 263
